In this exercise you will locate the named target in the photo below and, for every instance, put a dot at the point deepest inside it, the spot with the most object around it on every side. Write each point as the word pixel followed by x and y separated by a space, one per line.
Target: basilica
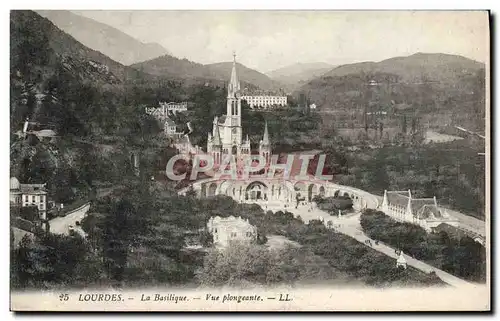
pixel 226 137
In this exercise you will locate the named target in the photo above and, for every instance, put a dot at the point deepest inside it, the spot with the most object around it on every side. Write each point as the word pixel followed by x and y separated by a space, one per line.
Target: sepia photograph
pixel 250 160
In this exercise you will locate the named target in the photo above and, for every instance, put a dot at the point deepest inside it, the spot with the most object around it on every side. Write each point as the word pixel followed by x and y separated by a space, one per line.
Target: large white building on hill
pixel 265 102
pixel 24 195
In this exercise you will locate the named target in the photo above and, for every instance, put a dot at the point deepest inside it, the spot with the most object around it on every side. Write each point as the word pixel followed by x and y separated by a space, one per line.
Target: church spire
pixel 265 139
pixel 217 140
pixel 234 83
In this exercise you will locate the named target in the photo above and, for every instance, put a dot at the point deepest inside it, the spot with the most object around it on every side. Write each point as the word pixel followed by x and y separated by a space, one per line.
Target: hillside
pixel 443 89
pixel 297 74
pixel 110 41
pixel 58 84
pixel 180 69
pixel 416 68
pixel 64 46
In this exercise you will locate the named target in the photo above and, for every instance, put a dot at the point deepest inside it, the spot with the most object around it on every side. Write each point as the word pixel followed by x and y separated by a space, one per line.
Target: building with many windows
pixel 174 107
pixel 24 195
pixel 161 113
pixel 265 102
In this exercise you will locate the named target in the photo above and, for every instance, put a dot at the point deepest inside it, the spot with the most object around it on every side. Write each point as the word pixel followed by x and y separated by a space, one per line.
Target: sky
pixel 268 40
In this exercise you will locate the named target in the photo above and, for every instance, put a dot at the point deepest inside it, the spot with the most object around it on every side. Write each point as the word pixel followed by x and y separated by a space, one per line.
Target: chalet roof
pixel 426 211
pixel 399 198
pixel 33 189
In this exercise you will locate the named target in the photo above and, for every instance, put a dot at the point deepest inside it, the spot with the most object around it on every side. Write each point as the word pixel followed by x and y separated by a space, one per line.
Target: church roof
pixel 234 83
pixel 33 189
pixel 265 139
pixel 217 140
pixel 423 208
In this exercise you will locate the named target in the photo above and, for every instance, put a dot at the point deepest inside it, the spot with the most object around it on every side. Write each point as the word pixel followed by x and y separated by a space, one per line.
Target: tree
pixel 30 213
pixel 237 263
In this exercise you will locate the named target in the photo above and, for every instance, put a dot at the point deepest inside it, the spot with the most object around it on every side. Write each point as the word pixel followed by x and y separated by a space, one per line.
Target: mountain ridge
pixel 418 66
pixel 296 74
pixel 104 38
pixel 173 67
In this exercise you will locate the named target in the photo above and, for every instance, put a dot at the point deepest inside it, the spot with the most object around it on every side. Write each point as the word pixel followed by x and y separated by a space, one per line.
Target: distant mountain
pixel 110 41
pixel 172 67
pixel 415 68
pixel 299 73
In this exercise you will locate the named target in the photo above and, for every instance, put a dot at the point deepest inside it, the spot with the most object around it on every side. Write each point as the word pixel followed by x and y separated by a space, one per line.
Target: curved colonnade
pixel 279 191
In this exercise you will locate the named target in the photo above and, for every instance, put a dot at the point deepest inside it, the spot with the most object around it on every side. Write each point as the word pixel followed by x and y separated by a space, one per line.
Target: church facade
pixel 226 138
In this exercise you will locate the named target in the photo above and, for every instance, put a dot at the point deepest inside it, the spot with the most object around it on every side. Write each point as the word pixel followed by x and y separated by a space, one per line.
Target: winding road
pixel 350 225
pixel 60 225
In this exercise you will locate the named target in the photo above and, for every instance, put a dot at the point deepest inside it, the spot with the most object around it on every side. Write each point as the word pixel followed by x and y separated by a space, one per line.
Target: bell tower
pixel 233 116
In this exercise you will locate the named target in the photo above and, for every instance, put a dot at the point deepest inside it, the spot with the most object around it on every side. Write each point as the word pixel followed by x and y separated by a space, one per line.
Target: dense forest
pixel 139 237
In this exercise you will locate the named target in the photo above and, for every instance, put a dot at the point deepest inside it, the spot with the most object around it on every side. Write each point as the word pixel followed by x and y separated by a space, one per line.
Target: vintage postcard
pixel 249 160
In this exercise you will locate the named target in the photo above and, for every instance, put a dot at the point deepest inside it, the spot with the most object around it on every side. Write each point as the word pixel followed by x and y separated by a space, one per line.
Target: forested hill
pixel 419 67
pixel 425 84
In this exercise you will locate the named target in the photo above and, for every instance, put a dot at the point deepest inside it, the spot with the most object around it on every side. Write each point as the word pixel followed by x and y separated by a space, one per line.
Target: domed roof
pixel 14 183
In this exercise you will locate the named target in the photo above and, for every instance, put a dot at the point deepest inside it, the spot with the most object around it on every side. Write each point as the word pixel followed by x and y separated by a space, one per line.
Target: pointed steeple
pixel 234 83
pixel 217 141
pixel 265 140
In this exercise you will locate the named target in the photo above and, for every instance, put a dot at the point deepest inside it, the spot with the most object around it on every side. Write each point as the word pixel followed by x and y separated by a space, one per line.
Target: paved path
pixel 60 225
pixel 350 226
pixel 468 222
